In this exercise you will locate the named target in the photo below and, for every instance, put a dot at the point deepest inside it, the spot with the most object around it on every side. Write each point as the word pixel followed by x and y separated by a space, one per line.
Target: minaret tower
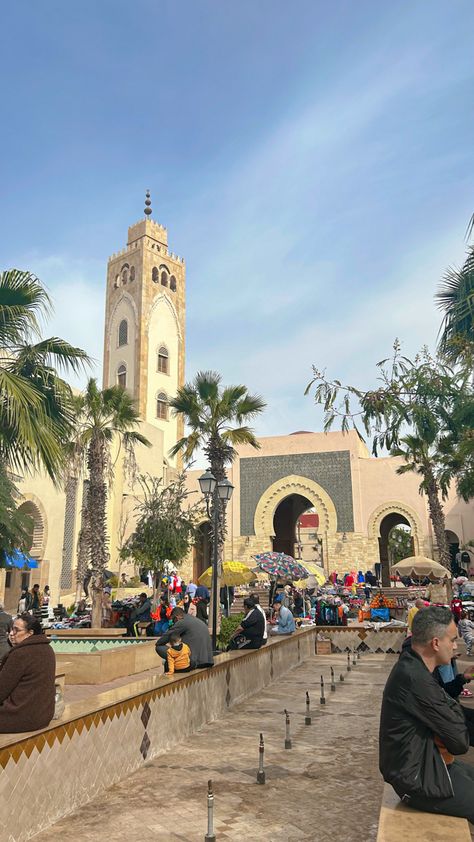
pixel 145 324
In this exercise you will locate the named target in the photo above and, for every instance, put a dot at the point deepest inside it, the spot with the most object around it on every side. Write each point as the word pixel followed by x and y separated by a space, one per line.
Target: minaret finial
pixel 147 204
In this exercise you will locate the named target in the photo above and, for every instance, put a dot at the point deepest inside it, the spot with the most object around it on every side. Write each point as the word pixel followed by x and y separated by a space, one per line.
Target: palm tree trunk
pixel 218 470
pixel 437 517
pixel 97 463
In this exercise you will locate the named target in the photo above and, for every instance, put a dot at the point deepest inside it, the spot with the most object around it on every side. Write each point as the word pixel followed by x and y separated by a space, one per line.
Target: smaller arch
pixel 164 279
pixel 162 406
pixel 123 333
pixel 125 272
pixel 33 507
pixel 163 360
pixel 132 273
pixel 122 376
pixel 117 281
pixel 164 268
pixel 173 283
pixel 155 275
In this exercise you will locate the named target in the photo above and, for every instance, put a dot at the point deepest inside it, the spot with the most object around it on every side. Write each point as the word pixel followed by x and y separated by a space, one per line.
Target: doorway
pixel 202 550
pixel 285 520
pixel 387 547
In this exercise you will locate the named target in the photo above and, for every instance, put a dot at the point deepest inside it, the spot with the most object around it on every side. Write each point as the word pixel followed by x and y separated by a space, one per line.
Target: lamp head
pixel 207 483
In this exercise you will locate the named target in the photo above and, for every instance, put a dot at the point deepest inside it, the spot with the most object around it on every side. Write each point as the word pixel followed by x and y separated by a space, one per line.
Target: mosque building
pixel 316 496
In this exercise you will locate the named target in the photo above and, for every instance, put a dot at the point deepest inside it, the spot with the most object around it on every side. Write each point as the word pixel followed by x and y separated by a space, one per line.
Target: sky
pixel 311 160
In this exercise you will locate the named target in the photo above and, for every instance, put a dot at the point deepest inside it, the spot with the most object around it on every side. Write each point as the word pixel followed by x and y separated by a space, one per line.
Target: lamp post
pixel 219 493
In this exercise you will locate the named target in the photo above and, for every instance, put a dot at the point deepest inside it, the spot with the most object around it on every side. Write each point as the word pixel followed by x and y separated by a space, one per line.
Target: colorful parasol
pixel 233 573
pixel 281 566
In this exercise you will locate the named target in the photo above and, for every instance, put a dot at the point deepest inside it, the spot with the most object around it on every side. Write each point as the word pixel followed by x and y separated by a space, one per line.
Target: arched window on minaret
pixel 173 283
pixel 163 360
pixel 162 406
pixel 132 273
pixel 125 270
pixel 122 376
pixel 164 279
pixel 155 275
pixel 123 333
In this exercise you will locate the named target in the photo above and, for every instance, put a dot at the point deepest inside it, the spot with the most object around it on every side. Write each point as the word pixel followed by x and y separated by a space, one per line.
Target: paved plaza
pixel 327 786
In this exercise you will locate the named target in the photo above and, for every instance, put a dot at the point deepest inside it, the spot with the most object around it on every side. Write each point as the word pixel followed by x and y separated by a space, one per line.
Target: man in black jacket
pixel 422 728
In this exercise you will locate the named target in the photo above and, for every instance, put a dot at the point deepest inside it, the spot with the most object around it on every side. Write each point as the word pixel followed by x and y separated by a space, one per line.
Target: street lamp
pixel 220 494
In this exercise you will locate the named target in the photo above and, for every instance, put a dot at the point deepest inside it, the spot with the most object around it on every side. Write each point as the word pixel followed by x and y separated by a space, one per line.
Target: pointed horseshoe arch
pixel 395 507
pixel 282 488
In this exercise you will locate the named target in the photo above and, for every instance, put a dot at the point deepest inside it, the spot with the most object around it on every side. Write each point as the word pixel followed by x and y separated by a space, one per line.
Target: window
pixel 122 376
pixel 164 279
pixel 117 282
pixel 173 283
pixel 162 406
pixel 123 333
pixel 163 360
pixel 154 275
pixel 125 270
pixel 132 273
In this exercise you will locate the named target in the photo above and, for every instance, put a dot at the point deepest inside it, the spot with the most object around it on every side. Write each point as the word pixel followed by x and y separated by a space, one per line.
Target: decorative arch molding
pixel 395 507
pixel 285 487
pixel 40 526
pixel 125 296
pixel 156 302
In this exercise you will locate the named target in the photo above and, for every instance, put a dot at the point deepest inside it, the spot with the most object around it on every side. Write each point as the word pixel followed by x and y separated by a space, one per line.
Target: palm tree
pixel 36 412
pixel 15 525
pixel 217 418
pixel 104 416
pixel 456 298
pixel 417 451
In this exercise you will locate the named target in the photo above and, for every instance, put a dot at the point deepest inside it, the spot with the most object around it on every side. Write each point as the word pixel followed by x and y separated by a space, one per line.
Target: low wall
pixel 107 664
pixel 99 741
pixel 384 640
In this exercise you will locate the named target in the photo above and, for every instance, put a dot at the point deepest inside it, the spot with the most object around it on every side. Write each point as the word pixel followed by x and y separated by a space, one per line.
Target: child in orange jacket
pixel 178 658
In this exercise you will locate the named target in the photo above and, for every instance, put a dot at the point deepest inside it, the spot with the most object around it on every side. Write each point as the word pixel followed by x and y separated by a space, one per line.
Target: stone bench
pixel 398 822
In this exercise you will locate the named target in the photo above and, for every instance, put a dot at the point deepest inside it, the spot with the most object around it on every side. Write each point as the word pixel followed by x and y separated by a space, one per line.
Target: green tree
pixel 15 525
pixel 408 415
pixel 36 413
pixel 400 544
pixel 455 298
pixel 104 416
pixel 217 418
pixel 165 527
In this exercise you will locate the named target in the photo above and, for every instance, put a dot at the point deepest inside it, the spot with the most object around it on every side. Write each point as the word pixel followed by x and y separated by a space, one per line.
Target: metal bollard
pixel 333 685
pixel 210 835
pixel 322 700
pixel 287 730
pixel 358 655
pixel 261 771
pixel 341 677
pixel 349 662
pixel 307 719
pixel 354 661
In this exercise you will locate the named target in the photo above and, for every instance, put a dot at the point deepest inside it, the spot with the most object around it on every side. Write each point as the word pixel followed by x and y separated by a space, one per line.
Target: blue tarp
pixel 20 560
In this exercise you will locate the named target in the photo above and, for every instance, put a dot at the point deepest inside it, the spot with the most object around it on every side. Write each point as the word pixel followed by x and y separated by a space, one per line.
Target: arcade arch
pixel 381 523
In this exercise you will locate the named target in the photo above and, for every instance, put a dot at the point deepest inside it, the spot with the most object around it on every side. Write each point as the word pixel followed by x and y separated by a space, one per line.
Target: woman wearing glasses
pixel 27 678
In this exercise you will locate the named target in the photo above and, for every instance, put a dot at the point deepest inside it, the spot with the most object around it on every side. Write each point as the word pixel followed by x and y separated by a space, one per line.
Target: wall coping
pixel 155 685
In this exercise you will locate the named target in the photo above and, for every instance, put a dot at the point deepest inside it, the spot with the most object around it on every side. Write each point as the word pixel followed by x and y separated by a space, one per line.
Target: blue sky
pixel 311 160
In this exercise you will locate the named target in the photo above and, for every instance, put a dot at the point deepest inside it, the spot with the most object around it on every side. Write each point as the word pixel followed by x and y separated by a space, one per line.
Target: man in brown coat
pixel 27 679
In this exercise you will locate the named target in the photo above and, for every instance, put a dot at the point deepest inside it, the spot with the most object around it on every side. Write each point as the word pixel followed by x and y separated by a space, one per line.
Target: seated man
pixel 422 728
pixel 285 622
pixel 140 614
pixel 194 633
pixel 250 633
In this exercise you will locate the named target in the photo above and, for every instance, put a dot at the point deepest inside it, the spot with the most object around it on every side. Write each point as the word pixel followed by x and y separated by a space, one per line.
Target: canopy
pixel 233 573
pixel 316 573
pixel 281 566
pixel 420 566
pixel 20 560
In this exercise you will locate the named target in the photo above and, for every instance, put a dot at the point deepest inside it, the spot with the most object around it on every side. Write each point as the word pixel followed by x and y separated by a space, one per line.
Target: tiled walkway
pixel 326 787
